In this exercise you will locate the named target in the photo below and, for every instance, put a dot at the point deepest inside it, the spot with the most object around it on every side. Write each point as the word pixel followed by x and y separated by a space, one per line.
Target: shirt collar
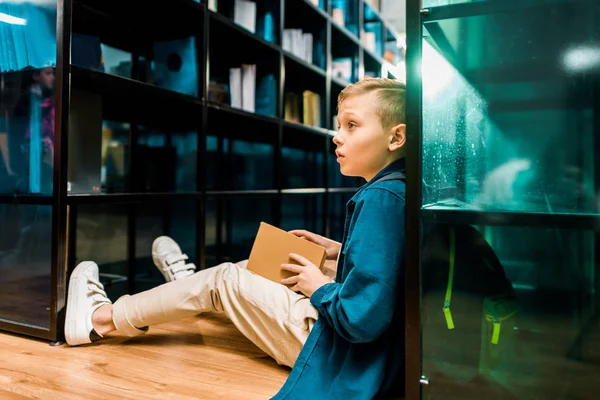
pixel 396 166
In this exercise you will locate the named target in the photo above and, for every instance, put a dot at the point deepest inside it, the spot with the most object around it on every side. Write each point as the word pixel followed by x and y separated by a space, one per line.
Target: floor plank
pixel 203 357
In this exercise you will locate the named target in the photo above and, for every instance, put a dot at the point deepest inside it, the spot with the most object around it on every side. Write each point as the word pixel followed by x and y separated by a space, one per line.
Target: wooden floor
pixel 198 358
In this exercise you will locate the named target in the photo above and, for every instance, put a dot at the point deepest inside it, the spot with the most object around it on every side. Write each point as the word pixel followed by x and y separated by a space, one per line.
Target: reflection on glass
pixel 514 320
pixel 303 212
pixel 501 145
pixel 25 263
pixel 27 60
pixel 115 157
pixel 164 161
pixel 172 64
pixel 27 131
pixel 102 236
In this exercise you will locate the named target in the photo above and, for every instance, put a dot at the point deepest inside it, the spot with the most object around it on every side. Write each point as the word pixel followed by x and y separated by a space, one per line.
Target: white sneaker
pixel 86 294
pixel 169 259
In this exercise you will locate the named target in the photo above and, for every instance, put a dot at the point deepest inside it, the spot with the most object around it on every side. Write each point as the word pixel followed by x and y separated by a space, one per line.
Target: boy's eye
pixel 351 125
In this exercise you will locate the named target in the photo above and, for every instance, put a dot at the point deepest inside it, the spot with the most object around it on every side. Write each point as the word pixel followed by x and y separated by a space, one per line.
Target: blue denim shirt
pixel 356 348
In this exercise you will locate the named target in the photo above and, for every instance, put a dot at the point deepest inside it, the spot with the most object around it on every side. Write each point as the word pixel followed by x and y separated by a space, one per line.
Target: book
pixel 235 87
pixel 248 86
pixel 244 14
pixel 272 247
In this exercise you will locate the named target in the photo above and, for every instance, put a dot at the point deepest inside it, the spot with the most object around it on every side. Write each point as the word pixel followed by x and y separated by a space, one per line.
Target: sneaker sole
pixel 72 324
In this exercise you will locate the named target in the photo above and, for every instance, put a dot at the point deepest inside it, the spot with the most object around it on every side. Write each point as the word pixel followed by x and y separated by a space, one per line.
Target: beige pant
pixel 273 317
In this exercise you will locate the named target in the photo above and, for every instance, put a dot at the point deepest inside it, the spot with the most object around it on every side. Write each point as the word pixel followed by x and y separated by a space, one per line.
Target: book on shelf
pixel 298 43
pixel 212 5
pixel 369 41
pixel 265 27
pixel 338 16
pixel 306 110
pixel 235 87
pixel 342 68
pixel 371 36
pixel 175 66
pixel 242 87
pixel 244 14
pixel 311 103
pixel 266 96
pixel 292 107
pixel 340 11
pixel 217 92
pixel 373 3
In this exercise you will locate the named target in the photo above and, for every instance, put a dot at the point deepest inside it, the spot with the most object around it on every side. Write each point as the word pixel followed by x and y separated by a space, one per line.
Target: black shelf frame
pixel 191 113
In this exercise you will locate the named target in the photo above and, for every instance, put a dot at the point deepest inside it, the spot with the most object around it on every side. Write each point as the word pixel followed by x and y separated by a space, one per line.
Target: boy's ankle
pixel 102 320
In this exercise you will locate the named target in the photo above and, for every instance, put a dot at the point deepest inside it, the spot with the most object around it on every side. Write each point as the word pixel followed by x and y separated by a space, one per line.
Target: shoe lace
pixel 99 295
pixel 178 266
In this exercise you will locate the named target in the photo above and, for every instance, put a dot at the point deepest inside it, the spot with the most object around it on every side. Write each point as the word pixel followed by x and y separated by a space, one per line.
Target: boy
pixel 344 338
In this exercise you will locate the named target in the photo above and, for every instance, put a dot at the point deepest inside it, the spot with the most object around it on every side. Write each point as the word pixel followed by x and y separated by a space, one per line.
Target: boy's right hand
pixel 332 247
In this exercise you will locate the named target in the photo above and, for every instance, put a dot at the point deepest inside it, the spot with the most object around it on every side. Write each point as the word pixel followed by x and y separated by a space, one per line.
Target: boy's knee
pixel 229 273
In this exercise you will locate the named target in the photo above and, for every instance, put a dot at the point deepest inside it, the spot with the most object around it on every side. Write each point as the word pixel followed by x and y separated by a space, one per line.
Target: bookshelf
pixel 148 142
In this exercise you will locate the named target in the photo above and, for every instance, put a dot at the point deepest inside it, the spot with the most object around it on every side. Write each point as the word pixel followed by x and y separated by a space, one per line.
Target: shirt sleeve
pixel 360 308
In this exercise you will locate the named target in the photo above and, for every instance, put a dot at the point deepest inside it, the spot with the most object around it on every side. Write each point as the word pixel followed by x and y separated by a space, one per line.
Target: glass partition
pixel 509 273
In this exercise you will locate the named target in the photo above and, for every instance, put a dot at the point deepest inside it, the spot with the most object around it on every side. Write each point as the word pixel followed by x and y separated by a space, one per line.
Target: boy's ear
pixel 398 139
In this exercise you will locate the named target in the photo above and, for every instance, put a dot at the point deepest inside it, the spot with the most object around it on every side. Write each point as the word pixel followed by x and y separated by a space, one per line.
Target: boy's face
pixel 364 147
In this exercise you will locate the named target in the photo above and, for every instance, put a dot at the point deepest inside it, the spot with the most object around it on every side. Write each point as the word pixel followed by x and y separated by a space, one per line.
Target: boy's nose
pixel 336 140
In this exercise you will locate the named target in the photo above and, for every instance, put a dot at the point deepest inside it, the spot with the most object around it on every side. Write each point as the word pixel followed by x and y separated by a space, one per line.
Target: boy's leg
pixel 273 317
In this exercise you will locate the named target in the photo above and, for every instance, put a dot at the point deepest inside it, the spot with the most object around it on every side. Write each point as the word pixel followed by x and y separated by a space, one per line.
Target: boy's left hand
pixel 309 277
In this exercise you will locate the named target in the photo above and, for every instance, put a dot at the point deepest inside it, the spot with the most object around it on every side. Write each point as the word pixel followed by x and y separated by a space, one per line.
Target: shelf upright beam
pixel 201 167
pixel 414 95
pixel 60 174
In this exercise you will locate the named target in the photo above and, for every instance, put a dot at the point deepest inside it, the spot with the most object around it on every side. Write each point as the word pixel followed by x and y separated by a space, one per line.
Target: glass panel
pixel 25 263
pixel 302 155
pixel 176 219
pixel 525 324
pixel 240 152
pixel 100 160
pixel 495 116
pixel 166 161
pixel 162 56
pixel 232 225
pixel 248 165
pixel 102 237
pixel 27 131
pixel 303 212
pixel 115 157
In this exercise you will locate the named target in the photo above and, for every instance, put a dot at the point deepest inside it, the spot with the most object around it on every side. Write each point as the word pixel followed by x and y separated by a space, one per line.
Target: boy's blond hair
pixel 391 98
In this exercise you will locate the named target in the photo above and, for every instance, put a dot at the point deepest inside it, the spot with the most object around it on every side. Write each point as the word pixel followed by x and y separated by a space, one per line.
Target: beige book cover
pixel 272 247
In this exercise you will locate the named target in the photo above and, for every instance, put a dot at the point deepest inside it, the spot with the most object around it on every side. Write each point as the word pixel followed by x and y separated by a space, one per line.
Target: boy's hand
pixel 309 277
pixel 332 247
